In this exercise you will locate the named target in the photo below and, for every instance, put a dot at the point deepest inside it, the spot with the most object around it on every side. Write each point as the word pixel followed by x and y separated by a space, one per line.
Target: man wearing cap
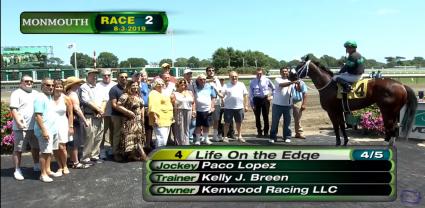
pixel 93 103
pixel 353 68
pixel 166 68
pixel 205 97
pixel 116 114
pixel 104 87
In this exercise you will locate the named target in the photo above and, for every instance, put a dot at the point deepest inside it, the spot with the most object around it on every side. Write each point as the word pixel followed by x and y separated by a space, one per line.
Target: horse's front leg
pixel 344 133
pixel 335 124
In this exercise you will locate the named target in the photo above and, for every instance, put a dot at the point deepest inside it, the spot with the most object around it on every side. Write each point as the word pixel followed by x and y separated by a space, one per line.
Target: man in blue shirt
pixel 144 91
pixel 299 96
pixel 261 90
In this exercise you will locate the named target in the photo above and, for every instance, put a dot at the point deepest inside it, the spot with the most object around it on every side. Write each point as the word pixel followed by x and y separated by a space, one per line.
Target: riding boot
pixel 346 86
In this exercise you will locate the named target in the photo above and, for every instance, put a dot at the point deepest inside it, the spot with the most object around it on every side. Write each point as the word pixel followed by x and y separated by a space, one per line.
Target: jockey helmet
pixel 351 44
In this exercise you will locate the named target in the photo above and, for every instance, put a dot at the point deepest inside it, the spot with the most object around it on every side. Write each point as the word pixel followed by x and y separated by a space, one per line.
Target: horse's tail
pixel 409 115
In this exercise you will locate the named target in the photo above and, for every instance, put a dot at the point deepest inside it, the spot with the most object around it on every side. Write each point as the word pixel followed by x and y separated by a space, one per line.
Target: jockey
pixel 353 68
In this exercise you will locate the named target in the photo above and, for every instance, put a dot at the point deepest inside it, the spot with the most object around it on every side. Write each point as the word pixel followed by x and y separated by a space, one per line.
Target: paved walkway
pixel 113 184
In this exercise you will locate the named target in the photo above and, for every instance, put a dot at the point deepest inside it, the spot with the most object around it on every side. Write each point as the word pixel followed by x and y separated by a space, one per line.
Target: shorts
pixel 47 146
pixel 229 114
pixel 203 119
pixel 22 138
pixel 216 113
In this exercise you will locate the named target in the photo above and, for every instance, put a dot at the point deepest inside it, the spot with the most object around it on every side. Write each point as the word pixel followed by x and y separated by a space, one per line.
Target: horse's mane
pixel 323 68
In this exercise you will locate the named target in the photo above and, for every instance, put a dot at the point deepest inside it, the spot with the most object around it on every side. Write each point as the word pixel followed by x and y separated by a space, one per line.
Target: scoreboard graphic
pixel 268 173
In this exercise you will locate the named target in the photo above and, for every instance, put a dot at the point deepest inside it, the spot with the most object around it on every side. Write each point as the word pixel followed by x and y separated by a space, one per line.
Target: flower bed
pixel 6 133
pixel 371 119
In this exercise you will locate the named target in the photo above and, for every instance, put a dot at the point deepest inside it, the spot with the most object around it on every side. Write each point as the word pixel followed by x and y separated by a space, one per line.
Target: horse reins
pixel 306 67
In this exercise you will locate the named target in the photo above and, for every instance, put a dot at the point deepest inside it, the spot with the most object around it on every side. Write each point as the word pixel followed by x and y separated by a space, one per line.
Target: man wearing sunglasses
pixel 104 87
pixel 116 114
pixel 22 109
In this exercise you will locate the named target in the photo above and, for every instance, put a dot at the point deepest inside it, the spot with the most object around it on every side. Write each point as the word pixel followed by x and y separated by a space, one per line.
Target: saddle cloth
pixel 359 90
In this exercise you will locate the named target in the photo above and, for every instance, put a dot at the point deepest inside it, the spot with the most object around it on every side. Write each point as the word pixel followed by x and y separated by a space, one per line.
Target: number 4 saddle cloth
pixel 359 90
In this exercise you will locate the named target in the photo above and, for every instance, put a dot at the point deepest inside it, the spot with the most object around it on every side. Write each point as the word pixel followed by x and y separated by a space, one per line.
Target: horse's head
pixel 293 76
pixel 302 68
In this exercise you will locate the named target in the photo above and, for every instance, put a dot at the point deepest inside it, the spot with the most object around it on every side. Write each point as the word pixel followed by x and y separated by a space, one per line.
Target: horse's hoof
pixel 391 142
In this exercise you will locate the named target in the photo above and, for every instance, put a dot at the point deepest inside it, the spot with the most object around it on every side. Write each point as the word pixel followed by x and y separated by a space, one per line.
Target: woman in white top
pixel 184 111
pixel 62 107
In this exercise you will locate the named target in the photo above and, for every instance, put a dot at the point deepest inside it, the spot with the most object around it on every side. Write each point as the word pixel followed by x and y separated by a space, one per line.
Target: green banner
pixel 93 22
pixel 420 118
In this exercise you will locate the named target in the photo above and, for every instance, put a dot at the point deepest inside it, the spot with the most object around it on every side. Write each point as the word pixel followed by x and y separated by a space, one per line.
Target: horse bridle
pixel 305 67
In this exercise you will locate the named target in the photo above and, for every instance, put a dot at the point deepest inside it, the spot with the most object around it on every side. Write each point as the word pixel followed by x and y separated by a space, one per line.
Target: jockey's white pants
pixel 348 77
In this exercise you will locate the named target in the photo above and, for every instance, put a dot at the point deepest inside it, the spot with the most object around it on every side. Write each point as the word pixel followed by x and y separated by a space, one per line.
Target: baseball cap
pixel 187 71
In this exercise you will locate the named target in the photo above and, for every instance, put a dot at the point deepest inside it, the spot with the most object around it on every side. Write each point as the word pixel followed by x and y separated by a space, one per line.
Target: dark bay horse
pixel 389 95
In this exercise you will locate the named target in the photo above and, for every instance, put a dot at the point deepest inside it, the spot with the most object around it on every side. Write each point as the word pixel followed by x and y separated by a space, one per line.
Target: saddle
pixel 359 90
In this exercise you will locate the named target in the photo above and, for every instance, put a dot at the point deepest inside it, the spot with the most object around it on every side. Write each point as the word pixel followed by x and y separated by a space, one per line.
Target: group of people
pixel 82 115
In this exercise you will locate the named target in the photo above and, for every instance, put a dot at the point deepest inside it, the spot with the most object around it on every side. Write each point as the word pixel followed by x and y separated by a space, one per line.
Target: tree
pixel 83 60
pixel 293 63
pixel 282 63
pixel 418 61
pixel 137 62
pixel 107 60
pixel 372 63
pixel 168 61
pixel 181 62
pixel 193 62
pixel 220 58
pixel 391 61
pixel 54 61
pixel 125 64
pixel 205 63
pixel 328 61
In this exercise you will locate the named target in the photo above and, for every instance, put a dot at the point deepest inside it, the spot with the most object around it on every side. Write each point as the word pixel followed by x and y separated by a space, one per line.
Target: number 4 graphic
pixel 179 154
pixel 360 90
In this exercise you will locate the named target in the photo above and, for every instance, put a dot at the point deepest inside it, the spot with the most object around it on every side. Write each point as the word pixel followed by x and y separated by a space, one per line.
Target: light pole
pixel 170 31
pixel 74 46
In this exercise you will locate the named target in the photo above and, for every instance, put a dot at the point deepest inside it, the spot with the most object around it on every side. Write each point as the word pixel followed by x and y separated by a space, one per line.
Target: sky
pixel 282 29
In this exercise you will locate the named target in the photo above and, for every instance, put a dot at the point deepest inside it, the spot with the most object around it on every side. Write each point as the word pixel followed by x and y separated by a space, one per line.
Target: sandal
pixel 80 166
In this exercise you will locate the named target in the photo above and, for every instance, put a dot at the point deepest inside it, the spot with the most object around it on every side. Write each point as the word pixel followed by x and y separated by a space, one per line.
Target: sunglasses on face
pixel 29 81
pixel 48 85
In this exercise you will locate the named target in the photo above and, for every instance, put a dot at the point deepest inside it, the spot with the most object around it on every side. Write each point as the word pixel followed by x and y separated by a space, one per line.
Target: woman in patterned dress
pixel 133 134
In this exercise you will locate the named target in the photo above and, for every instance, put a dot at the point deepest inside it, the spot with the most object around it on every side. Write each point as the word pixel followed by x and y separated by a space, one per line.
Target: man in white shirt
pixel 282 104
pixel 205 98
pixel 92 102
pixel 104 87
pixel 215 83
pixel 22 109
pixel 235 104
